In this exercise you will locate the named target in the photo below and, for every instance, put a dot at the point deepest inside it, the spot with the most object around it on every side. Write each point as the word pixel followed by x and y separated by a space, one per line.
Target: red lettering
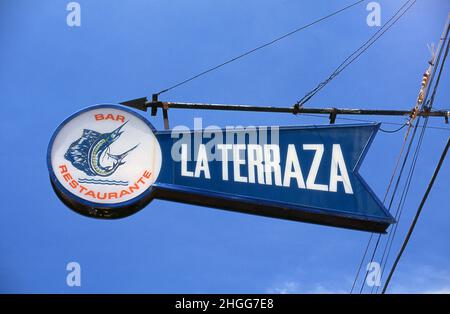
pixel 90 193
pixel 123 193
pixel 112 195
pixel 73 184
pixel 134 187
pixel 67 177
pixel 101 197
pixel 147 174
pixel 63 169
pixel 109 116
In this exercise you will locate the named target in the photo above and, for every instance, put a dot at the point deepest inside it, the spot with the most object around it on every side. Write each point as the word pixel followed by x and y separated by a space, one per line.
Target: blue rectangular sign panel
pixel 308 174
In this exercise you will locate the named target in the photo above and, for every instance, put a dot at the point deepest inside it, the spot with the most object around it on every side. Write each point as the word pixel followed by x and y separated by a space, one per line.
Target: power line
pixel 394 192
pixel 361 263
pixel 423 95
pixel 403 199
pixel 396 184
pixel 430 106
pixel 402 125
pixel 259 47
pixel 405 158
pixel 416 217
pixel 377 121
pixel 384 200
pixel 401 203
pixel 394 131
pixel 433 95
pixel 358 52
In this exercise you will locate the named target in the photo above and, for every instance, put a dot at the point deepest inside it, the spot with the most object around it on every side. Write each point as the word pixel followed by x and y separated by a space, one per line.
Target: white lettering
pixel 292 161
pixel 225 148
pixel 237 162
pixel 263 165
pixel 255 159
pixel 311 180
pixel 272 163
pixel 338 165
pixel 202 163
pixel 184 159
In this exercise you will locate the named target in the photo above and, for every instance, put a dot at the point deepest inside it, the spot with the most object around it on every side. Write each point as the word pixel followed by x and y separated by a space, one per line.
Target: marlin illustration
pixel 89 151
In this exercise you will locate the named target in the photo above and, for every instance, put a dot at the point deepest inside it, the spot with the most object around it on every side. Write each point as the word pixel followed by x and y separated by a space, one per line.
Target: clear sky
pixel 122 51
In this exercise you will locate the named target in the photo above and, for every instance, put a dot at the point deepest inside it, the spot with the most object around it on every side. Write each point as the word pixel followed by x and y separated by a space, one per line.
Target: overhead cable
pixel 358 52
pixel 260 47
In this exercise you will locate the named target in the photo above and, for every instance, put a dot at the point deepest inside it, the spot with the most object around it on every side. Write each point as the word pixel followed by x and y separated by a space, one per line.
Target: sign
pixel 107 161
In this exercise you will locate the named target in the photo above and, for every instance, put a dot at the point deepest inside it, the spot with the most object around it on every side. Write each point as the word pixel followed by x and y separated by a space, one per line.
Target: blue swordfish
pixel 89 151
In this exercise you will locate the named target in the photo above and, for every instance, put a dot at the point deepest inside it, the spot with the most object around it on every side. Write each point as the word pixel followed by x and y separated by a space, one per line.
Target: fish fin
pixel 91 134
pixel 77 153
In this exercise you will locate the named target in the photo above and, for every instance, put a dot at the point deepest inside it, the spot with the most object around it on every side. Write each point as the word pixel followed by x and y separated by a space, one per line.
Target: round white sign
pixel 104 157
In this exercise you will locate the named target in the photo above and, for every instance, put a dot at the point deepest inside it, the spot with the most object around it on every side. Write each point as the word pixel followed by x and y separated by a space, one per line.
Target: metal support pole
pixel 328 111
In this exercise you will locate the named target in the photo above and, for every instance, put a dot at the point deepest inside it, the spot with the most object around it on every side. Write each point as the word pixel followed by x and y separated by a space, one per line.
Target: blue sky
pixel 123 51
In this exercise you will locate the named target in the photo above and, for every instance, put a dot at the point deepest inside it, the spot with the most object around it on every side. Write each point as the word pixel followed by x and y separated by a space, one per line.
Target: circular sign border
pixel 91 209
